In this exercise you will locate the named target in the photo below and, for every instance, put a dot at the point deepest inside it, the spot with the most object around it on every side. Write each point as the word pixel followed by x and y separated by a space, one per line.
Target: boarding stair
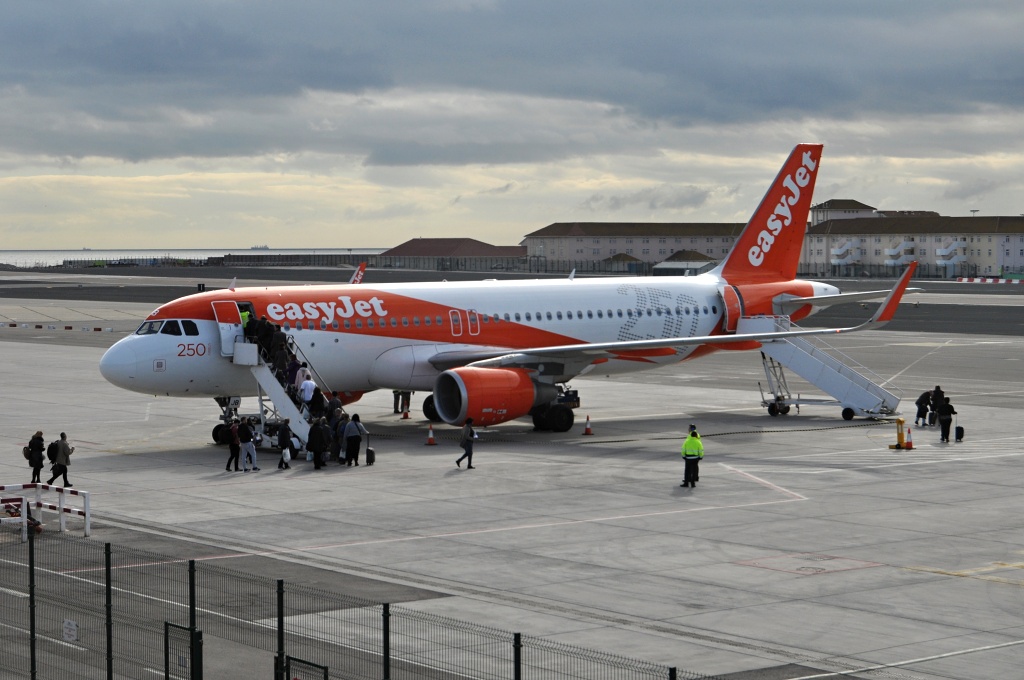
pixel 852 386
pixel 280 405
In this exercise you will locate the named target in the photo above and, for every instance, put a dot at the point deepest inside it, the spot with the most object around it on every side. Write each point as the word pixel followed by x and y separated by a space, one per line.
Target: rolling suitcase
pixel 933 417
pixel 371 455
pixel 958 433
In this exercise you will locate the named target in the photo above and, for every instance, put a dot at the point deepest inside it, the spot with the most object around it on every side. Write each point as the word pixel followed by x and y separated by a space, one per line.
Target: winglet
pixel 887 309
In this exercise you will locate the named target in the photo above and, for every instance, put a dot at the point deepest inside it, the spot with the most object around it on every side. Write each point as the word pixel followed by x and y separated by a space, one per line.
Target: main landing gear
pixel 554 417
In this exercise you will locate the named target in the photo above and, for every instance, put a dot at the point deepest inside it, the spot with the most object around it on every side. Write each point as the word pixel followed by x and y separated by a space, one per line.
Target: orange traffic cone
pixel 909 444
pixel 587 429
pixel 405 414
pixel 430 436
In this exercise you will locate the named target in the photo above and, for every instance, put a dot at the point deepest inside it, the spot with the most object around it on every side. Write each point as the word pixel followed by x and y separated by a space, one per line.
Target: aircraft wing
pixel 588 352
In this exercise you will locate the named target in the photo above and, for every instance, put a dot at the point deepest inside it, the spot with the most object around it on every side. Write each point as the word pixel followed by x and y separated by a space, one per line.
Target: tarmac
pixel 808 548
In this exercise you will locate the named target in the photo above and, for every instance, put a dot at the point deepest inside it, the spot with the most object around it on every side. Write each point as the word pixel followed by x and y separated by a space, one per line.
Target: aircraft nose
pixel 119 366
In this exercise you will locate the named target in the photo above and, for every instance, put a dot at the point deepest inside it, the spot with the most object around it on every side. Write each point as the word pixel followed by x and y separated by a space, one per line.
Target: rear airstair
pixel 853 387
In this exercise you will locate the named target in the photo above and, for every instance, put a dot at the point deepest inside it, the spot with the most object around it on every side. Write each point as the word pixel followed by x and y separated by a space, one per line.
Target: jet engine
pixel 488 395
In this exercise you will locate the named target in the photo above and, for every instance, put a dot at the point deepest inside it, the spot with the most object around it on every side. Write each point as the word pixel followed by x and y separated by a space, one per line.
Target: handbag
pixel 25 450
pixel 286 455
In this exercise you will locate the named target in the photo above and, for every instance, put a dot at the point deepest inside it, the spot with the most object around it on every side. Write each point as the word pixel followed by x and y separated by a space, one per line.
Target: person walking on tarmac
pixel 923 402
pixel 692 452
pixel 37 456
pixel 946 413
pixel 60 465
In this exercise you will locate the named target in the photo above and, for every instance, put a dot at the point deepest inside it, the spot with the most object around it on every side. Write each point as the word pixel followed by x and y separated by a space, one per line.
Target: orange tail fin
pixel 769 247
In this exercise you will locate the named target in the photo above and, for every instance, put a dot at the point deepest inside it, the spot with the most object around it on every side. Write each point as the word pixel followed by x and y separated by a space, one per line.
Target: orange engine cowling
pixel 488 395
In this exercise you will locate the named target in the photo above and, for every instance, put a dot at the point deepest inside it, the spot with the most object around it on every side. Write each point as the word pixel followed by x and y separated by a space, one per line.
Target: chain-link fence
pixel 74 608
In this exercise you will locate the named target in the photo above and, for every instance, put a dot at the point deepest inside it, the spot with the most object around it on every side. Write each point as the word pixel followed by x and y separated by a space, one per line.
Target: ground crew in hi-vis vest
pixel 693 451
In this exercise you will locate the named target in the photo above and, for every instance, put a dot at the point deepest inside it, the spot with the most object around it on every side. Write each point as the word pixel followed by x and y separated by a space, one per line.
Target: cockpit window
pixel 190 327
pixel 149 327
pixel 171 328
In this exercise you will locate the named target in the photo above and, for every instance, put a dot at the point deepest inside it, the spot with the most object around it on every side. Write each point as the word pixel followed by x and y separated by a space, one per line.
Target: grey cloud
pixel 655 198
pixel 106 74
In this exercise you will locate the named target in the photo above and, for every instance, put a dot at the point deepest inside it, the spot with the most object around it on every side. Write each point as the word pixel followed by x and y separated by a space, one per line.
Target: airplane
pixel 496 350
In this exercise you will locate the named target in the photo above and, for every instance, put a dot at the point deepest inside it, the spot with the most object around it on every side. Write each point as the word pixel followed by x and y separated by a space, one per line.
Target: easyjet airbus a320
pixel 498 350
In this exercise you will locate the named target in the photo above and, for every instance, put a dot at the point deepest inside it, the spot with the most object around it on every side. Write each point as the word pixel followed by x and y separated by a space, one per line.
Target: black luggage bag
pixel 933 417
pixel 371 455
pixel 958 433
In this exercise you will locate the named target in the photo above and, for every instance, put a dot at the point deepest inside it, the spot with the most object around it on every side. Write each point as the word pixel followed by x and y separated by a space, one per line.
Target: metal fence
pixel 74 608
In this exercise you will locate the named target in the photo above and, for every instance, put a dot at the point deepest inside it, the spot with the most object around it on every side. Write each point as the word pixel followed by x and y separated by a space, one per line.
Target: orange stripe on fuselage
pixel 362 304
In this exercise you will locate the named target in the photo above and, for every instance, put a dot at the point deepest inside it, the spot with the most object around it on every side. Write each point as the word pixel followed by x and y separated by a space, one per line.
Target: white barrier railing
pixel 60 507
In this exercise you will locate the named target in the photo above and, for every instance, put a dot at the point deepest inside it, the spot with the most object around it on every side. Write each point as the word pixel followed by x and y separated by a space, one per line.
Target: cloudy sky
pixel 226 123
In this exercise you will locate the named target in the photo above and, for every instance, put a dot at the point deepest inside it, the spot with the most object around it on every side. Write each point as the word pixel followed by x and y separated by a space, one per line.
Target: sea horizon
pixel 56 257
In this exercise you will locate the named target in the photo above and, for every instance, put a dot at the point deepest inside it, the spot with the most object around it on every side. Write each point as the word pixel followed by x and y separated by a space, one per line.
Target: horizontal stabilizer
pixel 841 299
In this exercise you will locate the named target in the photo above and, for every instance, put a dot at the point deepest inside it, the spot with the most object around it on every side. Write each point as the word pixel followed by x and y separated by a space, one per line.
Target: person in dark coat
pixel 923 403
pixel 36 456
pixel 284 440
pixel 946 413
pixel 318 442
pixel 938 397
pixel 234 446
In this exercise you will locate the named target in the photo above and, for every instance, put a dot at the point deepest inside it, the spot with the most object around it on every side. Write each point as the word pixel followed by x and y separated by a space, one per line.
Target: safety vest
pixel 693 447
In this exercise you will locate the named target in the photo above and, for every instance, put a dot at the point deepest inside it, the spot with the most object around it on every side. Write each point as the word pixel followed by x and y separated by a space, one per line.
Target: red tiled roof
pixel 453 247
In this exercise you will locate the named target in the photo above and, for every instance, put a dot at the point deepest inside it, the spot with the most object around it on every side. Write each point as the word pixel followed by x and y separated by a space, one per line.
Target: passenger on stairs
pixel 306 392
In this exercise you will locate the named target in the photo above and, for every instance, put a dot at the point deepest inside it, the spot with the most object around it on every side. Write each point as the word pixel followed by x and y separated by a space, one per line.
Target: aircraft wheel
pixel 216 432
pixel 848 413
pixel 430 411
pixel 560 418
pixel 785 409
pixel 540 418
pixel 773 409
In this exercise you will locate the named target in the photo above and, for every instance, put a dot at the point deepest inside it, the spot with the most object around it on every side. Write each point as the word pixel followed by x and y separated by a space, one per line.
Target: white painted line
pixel 908 662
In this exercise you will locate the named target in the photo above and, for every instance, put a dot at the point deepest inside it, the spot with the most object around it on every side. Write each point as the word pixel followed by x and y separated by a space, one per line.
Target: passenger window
pixel 171 328
pixel 323 324
pixel 438 321
pixel 348 324
pixel 369 323
pixel 405 322
pixel 600 315
pixel 416 321
pixel 426 321
pixel 394 322
pixel 359 323
pixel 190 327
pixel 619 312
pixel 579 314
pixel 517 317
pixel 714 309
pixel 149 328
pixel 528 316
pixel 590 314
pixel 558 315
pixel 334 324
pixel 705 310
pixel 549 316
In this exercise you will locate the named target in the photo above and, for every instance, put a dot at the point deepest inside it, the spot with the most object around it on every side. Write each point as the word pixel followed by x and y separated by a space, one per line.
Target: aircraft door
pixel 732 307
pixel 229 320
